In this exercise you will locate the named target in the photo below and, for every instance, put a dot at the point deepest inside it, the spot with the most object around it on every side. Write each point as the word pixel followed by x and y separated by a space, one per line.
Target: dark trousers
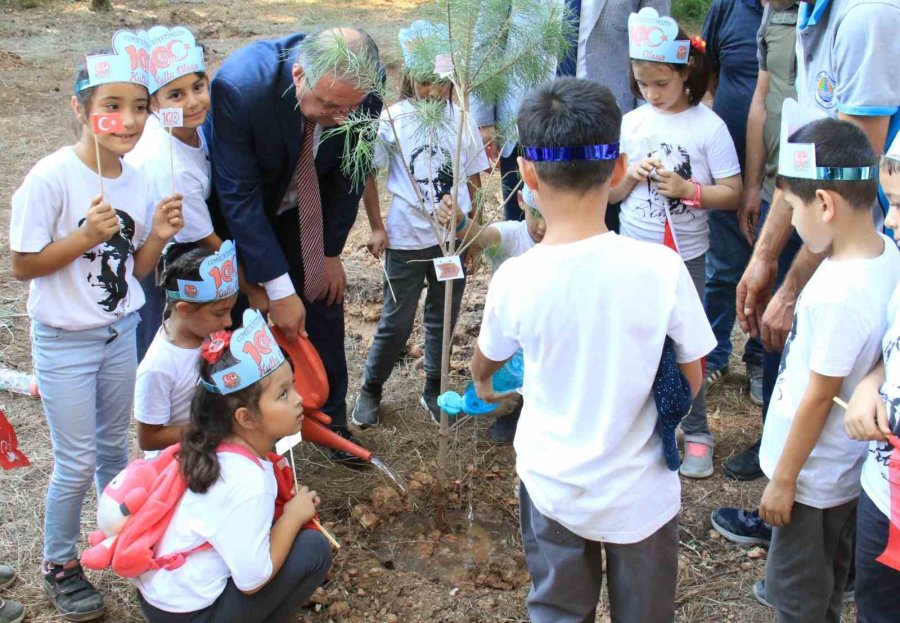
pixel 276 602
pixel 324 323
pixel 809 563
pixel 409 271
pixel 567 572
pixel 877 586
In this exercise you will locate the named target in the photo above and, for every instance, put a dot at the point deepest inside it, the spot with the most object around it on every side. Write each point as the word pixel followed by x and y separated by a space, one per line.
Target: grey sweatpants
pixel 808 563
pixel 567 572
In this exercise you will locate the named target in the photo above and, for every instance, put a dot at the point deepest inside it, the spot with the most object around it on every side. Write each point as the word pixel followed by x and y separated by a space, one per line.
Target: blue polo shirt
pixel 730 33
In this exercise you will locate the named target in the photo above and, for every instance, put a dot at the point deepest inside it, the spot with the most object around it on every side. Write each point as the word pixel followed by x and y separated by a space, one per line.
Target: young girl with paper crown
pixel 201 289
pixel 682 163
pixel 257 570
pixel 421 170
pixel 83 230
pixel 172 151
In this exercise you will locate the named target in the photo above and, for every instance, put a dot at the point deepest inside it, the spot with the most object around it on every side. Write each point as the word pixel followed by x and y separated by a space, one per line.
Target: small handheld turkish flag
pixel 10 455
pixel 107 123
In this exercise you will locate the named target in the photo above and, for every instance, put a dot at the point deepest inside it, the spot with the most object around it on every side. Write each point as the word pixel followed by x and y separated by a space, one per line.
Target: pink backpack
pixel 136 507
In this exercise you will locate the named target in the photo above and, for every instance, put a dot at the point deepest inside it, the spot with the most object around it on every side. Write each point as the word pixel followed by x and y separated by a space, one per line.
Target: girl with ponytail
pixel 257 569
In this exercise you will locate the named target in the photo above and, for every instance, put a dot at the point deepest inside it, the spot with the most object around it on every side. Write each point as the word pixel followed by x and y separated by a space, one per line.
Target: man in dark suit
pixel 279 190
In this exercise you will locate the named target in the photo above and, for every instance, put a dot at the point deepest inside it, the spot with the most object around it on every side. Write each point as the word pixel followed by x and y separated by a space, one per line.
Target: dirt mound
pixel 11 60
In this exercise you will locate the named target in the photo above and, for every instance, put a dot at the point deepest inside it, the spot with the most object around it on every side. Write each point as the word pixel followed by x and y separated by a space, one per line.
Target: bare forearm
pixel 805 264
pixel 146 258
pixel 776 230
pixel 281 540
pixel 372 206
pixel 53 257
pixel 153 437
pixel 618 193
pixel 483 368
pixel 812 414
pixel 755 163
pixel 721 196
pixel 211 243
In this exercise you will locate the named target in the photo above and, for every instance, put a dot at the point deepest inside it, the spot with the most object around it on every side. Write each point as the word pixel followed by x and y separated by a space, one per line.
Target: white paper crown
pixel 798 160
pixel 129 61
pixel 655 38
pixel 893 151
pixel 218 278
pixel 173 53
pixel 255 352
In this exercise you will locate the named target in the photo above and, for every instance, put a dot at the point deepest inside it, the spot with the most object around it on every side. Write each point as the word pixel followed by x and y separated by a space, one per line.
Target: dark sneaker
pixel 428 400
pixel 70 592
pixel 342 456
pixel 740 526
pixel 503 430
pixel 365 413
pixel 11 612
pixel 745 465
pixel 759 591
pixel 7 576
pixel 714 375
pixel 755 380
pixel 850 590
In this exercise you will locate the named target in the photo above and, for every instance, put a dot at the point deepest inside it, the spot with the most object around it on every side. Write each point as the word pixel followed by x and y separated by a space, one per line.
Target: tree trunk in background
pixel 101 5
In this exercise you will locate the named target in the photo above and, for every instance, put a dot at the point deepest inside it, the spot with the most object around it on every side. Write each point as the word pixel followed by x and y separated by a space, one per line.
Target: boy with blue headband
pixel 828 173
pixel 591 312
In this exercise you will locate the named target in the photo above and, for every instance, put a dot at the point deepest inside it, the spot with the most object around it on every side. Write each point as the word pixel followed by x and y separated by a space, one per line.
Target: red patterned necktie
pixel 309 209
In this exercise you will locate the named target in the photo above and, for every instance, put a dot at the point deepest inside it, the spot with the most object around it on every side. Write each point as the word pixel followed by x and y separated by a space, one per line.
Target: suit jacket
pixel 605 54
pixel 254 132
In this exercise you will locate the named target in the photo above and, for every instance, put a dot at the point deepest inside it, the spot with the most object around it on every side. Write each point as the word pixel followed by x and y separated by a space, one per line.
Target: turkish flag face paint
pixel 107 123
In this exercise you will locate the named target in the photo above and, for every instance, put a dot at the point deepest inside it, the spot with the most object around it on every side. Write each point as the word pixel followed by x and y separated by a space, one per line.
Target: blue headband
pixel 846 174
pixel 566 154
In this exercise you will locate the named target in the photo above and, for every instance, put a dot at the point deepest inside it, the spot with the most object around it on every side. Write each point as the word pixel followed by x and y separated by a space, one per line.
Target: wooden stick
pixel 840 403
pixel 99 167
pixel 315 521
pixel 386 278
pixel 172 157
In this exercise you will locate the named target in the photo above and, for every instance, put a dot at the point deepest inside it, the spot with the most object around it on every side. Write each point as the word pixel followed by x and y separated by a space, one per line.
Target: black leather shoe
pixel 503 430
pixel 343 457
pixel 745 465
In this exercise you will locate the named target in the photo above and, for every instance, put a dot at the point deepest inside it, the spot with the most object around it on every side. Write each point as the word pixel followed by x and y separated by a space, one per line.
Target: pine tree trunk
pixel 101 5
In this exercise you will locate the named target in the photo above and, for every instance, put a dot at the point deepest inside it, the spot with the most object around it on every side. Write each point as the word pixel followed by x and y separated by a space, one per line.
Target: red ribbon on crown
pixel 215 345
pixel 698 43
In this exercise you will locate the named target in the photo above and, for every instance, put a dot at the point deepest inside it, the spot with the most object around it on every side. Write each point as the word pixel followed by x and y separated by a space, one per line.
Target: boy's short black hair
pixel 891 166
pixel 838 144
pixel 569 112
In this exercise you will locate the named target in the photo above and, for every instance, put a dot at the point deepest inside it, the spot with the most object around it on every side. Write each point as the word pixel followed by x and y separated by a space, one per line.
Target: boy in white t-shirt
pixel 827 172
pixel 591 312
pixel 872 415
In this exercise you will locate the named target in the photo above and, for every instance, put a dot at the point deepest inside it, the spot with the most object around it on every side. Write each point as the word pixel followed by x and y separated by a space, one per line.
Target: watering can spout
pixel 316 432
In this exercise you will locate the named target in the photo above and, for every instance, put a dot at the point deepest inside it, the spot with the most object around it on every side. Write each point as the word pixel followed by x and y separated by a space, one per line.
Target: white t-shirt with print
pixel 587 446
pixel 235 516
pixel 876 478
pixel 193 175
pixel 99 287
pixel 430 161
pixel 166 381
pixel 695 144
pixel 837 330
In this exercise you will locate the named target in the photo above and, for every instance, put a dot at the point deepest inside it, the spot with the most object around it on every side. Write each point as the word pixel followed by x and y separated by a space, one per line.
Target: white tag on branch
pixel 171 117
pixel 443 66
pixel 448 268
pixel 284 444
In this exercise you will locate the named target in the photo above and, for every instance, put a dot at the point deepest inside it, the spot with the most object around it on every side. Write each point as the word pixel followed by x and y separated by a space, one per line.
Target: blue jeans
pixel 409 270
pixel 726 260
pixel 695 425
pixel 877 585
pixel 509 177
pixel 87 388
pixel 151 314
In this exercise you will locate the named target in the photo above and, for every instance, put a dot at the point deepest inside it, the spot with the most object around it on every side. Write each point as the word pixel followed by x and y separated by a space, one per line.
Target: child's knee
pixel 311 554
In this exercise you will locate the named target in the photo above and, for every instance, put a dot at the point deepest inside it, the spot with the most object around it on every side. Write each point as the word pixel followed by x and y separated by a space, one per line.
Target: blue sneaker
pixel 740 526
